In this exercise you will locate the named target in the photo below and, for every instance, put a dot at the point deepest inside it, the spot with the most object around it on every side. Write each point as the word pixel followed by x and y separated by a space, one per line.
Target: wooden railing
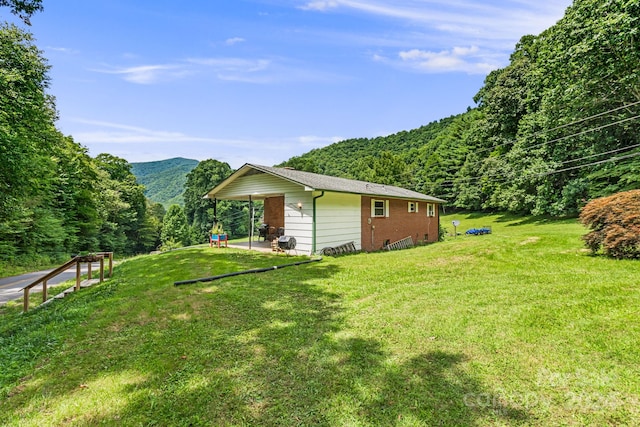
pixel 78 261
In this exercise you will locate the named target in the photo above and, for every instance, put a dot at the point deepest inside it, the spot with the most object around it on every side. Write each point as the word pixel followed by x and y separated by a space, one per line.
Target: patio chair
pixel 271 234
pixel 263 230
pixel 217 239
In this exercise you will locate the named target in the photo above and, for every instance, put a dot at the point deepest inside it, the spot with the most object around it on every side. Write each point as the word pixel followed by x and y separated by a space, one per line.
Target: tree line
pixel 555 128
pixel 56 200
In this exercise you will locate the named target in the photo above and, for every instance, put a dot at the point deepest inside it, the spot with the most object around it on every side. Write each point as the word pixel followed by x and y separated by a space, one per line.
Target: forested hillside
pixel 164 180
pixel 556 127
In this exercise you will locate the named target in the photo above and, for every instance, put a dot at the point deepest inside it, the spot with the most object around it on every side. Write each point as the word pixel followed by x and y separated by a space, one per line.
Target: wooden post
pixel 250 221
pixel 110 263
pixel 78 275
pixel 101 269
pixel 89 268
pixel 25 306
pixel 44 291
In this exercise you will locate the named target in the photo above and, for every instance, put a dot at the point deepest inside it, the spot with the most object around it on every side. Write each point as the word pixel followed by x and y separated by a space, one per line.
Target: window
pixel 431 209
pixel 412 207
pixel 379 208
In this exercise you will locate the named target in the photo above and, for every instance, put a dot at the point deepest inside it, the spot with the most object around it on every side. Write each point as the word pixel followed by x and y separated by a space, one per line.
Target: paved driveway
pixel 11 287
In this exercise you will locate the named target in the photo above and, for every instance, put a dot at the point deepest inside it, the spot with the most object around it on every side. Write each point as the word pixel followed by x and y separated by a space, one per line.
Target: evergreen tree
pixel 198 210
pixel 175 229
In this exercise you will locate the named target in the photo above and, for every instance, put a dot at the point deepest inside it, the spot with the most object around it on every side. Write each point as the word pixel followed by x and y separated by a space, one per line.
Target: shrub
pixel 441 232
pixel 615 225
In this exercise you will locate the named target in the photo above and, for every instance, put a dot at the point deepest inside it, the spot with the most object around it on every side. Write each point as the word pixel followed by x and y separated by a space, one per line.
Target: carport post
pixel 250 221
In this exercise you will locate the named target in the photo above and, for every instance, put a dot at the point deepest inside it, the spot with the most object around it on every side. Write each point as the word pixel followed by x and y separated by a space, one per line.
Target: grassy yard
pixel 519 327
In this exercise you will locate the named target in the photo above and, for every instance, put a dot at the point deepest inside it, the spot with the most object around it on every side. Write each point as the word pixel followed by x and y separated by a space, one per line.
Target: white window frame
pixel 431 209
pixel 412 207
pixel 385 207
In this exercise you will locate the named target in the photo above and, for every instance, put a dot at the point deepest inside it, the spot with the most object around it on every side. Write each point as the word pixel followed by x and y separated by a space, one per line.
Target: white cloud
pixel 152 144
pixel 67 50
pixel 318 141
pixel 512 17
pixel 236 69
pixel 491 28
pixel 244 70
pixel 464 51
pixel 463 59
pixel 148 74
pixel 100 131
pixel 233 64
pixel 234 40
pixel 261 70
pixel 320 5
pixel 116 133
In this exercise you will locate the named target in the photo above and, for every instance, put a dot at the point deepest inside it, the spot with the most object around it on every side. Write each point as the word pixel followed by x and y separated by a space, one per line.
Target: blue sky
pixel 260 81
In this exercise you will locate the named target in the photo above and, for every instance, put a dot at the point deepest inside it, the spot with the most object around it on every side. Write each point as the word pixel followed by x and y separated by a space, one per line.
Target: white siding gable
pixel 258 184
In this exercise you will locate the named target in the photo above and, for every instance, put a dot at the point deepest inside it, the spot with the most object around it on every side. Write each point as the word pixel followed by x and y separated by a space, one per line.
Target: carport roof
pixel 318 182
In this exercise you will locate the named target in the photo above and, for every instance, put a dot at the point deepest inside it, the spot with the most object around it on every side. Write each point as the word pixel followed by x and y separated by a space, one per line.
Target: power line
pixel 552 172
pixel 612 159
pixel 451 182
pixel 601 154
pixel 564 137
pixel 564 126
pixel 585 132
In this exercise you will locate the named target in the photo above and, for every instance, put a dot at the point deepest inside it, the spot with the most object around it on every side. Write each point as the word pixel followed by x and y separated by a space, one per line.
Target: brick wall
pixel 399 224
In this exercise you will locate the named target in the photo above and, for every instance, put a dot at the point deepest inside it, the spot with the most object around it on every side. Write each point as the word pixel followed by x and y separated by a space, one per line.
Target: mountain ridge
pixel 164 180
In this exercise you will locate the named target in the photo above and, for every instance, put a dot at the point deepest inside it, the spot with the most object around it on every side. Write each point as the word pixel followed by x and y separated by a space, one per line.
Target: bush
pixel 615 225
pixel 441 233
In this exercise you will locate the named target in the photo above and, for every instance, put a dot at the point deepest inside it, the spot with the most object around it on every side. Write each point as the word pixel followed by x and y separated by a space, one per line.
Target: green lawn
pixel 519 327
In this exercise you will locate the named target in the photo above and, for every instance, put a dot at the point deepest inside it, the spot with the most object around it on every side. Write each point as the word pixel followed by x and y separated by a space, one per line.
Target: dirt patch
pixel 532 239
pixel 182 316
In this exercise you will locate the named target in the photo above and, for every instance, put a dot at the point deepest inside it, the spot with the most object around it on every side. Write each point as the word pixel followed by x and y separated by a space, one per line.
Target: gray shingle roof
pixel 342 185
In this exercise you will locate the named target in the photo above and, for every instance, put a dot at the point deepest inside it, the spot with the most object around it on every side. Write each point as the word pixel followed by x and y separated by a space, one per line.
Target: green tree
pixel 54 198
pixel 122 206
pixel 151 227
pixel 28 143
pixel 75 188
pixel 590 65
pixel 301 163
pixel 175 229
pixel 384 168
pixel 27 115
pixel 200 211
pixel 23 8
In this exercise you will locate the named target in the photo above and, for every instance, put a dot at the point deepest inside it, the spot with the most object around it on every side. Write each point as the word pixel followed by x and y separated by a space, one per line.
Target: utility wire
pixel 558 139
pixel 585 132
pixel 600 154
pixel 563 126
pixel 612 159
pixel 552 172
pixel 452 181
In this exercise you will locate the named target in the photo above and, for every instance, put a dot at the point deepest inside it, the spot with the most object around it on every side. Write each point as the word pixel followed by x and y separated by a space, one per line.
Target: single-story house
pixel 324 211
